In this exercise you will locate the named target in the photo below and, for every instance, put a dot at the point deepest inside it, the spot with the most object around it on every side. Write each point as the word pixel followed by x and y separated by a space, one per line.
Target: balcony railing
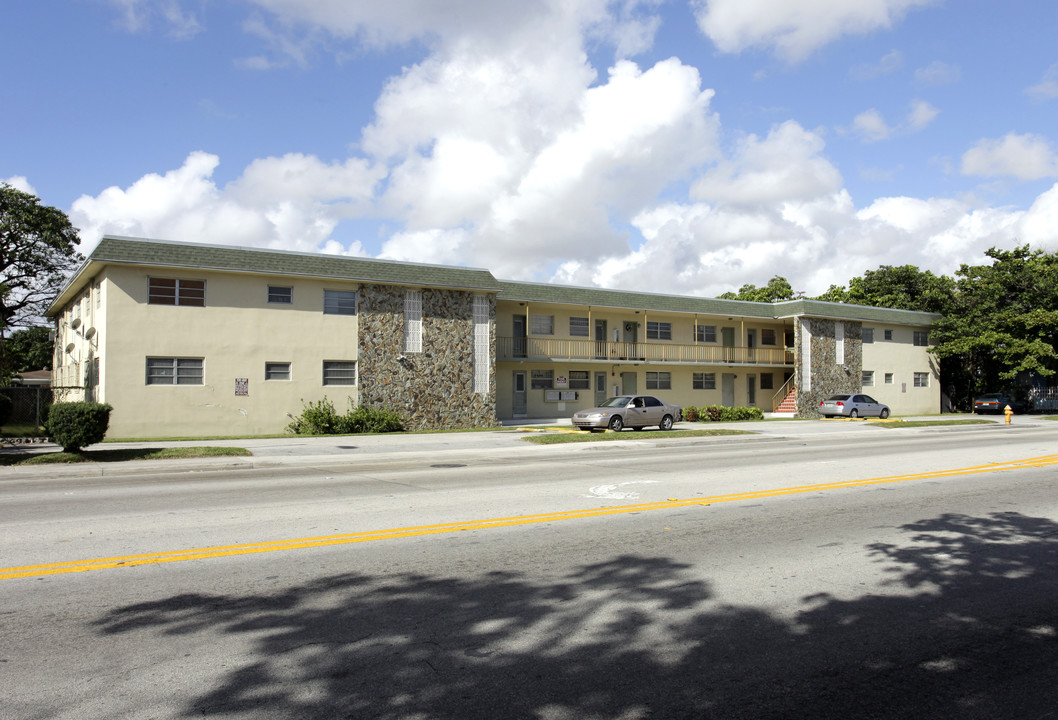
pixel 535 348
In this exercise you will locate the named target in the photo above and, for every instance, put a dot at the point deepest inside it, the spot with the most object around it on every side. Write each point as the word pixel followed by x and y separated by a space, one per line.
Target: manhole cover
pixel 447 465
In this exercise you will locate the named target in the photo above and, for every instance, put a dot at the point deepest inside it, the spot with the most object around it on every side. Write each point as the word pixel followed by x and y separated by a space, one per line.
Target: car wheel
pixel 616 423
pixel 884 413
pixel 666 423
pixel 854 413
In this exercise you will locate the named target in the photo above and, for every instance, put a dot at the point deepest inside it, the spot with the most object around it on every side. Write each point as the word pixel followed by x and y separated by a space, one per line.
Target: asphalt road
pixel 853 572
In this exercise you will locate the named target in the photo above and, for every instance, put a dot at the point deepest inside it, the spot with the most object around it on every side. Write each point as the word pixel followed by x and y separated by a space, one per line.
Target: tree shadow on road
pixel 967 628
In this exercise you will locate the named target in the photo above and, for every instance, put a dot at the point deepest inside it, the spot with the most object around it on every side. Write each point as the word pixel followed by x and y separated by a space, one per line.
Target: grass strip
pixel 929 423
pixel 122 455
pixel 569 437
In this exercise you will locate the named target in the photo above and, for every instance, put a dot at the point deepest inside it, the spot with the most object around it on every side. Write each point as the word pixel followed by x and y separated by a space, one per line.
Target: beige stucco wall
pixel 235 334
pixel 901 357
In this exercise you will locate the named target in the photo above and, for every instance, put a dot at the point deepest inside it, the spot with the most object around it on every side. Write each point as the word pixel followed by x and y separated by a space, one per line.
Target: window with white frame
pixel 542 325
pixel 339 302
pixel 280 294
pixel 579 380
pixel 277 371
pixel 659 330
pixel 921 379
pixel 868 336
pixel 412 321
pixel 659 381
pixel 921 338
pixel 482 345
pixel 339 372
pixel 704 381
pixel 705 333
pixel 578 327
pixel 767 337
pixel 867 378
pixel 174 371
pixel 541 379
pixel 172 291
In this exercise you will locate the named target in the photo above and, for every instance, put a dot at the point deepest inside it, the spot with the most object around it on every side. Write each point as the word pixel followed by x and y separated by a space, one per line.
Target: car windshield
pixel 617 401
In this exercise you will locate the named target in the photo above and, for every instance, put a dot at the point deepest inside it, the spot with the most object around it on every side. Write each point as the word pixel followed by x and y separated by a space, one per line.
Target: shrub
pixel 719 413
pixel 77 424
pixel 320 418
pixel 690 414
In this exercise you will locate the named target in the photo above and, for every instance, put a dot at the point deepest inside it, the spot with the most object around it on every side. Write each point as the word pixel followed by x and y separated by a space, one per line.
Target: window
pixel 542 379
pixel 867 378
pixel 659 381
pixel 339 302
pixel 578 327
pixel 174 371
pixel 412 321
pixel 704 381
pixel 921 338
pixel 277 294
pixel 277 371
pixel 888 378
pixel 921 379
pixel 766 381
pixel 705 333
pixel 659 330
pixel 169 291
pixel 868 335
pixel 767 337
pixel 482 344
pixel 888 334
pixel 579 380
pixel 839 343
pixel 542 325
pixel 339 372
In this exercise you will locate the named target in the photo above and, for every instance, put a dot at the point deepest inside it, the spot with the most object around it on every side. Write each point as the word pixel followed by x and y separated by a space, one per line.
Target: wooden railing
pixel 534 348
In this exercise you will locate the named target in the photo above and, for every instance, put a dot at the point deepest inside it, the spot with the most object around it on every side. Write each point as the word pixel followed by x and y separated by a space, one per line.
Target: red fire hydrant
pixel 1009 412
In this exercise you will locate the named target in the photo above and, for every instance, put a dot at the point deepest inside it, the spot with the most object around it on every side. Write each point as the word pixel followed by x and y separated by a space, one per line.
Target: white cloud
pixel 1047 89
pixel 19 182
pixel 921 115
pixel 1039 225
pixel 938 73
pixel 872 127
pixel 139 15
pixel 1026 157
pixel 887 65
pixel 794 30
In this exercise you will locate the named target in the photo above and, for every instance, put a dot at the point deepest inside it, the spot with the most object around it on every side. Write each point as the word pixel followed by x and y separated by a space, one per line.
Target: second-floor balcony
pixel 549 349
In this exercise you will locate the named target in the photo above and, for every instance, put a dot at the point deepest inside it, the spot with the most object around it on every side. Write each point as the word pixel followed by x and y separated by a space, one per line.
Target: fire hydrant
pixel 1009 412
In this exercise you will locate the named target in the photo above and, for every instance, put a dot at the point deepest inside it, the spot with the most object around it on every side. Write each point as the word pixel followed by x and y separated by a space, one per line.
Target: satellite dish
pixel 89 333
pixel 75 323
pixel 70 347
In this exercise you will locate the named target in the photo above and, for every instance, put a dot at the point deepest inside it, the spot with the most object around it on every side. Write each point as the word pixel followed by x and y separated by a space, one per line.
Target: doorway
pixel 629 385
pixel 727 390
pixel 521 408
pixel 520 337
pixel 600 389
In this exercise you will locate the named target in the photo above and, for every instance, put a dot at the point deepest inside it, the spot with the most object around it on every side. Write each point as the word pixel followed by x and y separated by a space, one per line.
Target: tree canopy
pixel 777 289
pixel 38 250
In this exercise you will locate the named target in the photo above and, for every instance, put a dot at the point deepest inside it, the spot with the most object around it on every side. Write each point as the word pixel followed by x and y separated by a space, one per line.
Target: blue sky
pixel 684 147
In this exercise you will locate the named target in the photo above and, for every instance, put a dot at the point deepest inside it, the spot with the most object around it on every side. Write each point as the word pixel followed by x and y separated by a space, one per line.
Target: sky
pixel 679 147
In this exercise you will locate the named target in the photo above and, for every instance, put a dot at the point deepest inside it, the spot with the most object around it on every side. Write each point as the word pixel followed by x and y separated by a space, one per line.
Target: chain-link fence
pixel 29 404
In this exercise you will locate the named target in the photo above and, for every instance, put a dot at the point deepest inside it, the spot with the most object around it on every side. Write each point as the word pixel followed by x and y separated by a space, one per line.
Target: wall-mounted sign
pixel 242 386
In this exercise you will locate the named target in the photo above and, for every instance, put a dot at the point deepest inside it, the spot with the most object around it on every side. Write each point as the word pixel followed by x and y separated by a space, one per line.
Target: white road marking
pixel 610 492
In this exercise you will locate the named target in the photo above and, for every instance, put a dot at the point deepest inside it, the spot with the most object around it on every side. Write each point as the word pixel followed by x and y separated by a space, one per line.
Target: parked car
pixel 997 403
pixel 853 406
pixel 634 411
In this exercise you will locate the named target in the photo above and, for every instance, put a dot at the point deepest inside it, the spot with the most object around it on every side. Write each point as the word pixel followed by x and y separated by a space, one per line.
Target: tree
pixel 29 349
pixel 37 253
pixel 777 289
pixel 904 287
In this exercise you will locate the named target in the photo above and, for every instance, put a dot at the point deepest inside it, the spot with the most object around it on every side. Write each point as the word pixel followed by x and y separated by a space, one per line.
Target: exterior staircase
pixel 788 406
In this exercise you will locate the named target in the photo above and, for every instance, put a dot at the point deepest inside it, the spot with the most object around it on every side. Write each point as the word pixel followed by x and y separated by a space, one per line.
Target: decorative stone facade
pixel 433 388
pixel 828 376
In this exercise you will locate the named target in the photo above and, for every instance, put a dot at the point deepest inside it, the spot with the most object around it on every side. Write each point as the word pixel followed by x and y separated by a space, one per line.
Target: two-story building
pixel 187 339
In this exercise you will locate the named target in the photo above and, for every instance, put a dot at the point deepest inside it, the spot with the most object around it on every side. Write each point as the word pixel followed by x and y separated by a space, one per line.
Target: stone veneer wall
pixel 432 389
pixel 828 377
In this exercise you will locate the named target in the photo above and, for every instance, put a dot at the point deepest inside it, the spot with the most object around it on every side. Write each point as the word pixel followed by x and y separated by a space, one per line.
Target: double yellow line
pixel 414 531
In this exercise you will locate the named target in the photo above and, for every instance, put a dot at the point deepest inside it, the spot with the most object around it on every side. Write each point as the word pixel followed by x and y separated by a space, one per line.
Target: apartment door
pixel 600 389
pixel 631 337
pixel 520 405
pixel 727 390
pixel 751 343
pixel 520 337
pixel 600 339
pixel 727 339
pixel 629 385
pixel 751 390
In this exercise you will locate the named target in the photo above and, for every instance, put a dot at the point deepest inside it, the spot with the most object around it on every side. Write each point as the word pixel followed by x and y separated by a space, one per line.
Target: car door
pixel 637 414
pixel 655 410
pixel 867 406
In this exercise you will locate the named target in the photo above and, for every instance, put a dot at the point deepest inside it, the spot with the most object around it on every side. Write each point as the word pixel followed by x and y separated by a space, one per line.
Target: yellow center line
pixel 421 530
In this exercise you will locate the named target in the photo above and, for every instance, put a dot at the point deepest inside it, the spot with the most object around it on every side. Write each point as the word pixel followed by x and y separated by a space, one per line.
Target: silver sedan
pixel 634 411
pixel 853 406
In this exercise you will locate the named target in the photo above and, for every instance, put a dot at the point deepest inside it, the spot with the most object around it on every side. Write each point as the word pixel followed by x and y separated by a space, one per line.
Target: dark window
pixel 767 337
pixel 766 381
pixel 174 371
pixel 339 302
pixel 659 330
pixel 284 295
pixel 868 335
pixel 579 380
pixel 578 327
pixel 542 379
pixel 888 334
pixel 659 381
pixel 170 291
pixel 921 338
pixel 704 381
pixel 705 333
